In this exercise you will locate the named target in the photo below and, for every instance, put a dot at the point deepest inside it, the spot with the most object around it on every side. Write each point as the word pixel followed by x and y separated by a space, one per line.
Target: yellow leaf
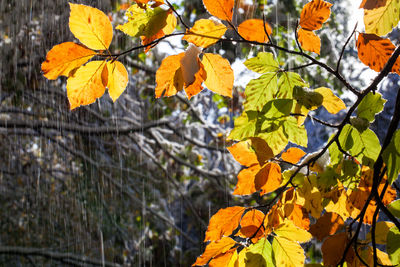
pixel 314 14
pixel 222 9
pixel 382 20
pixel 339 203
pixel 63 58
pixel 310 197
pixel 171 24
pixel 381 231
pixel 202 28
pixel 383 258
pixel 243 154
pixel 137 18
pixel 91 26
pixel 214 249
pixel 291 232
pixel 309 41
pixel 87 83
pixel 169 76
pixel 331 102
pixel 287 253
pixel 223 223
pixel 219 74
pixel 293 155
pixel 117 79
pixel 253 30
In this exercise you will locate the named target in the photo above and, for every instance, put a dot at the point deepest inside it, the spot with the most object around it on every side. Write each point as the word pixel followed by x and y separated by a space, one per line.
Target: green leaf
pixel 296 134
pixel 245 126
pixel 308 98
pixel 264 62
pixel 394 208
pixel 260 91
pixel 371 105
pixel 393 245
pixel 364 146
pixel 259 254
pixel 391 157
pixel 287 81
pixel 335 154
pixel 277 108
pixel 274 135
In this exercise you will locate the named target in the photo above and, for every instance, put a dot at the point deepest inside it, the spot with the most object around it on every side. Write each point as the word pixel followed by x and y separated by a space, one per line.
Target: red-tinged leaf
pixel 169 76
pixel 250 224
pixel 243 153
pixel 214 249
pixel 64 58
pixel 254 30
pixel 269 178
pixel 222 9
pixel 333 249
pixel 309 41
pixel 375 51
pixel 293 155
pixel 326 225
pixel 245 184
pixel 372 4
pixel 314 14
pixel 223 223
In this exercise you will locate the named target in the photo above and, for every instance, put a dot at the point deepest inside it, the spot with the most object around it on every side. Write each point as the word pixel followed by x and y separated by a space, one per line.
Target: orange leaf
pixel 243 153
pixel 328 224
pixel 269 178
pixel 147 40
pixel 87 84
pixel 168 29
pixel 214 249
pixel 63 58
pixel 298 215
pixel 222 259
pixel 245 184
pixel 219 74
pixel 202 28
pixel 223 223
pixel 253 30
pixel 314 14
pixel 192 71
pixel 372 4
pixel 195 87
pixel 222 9
pixel 309 41
pixel 375 51
pixel 169 76
pixel 249 224
pixel 293 155
pixel 333 249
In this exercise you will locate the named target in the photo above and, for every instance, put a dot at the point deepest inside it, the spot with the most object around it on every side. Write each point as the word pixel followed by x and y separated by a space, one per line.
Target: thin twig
pixel 343 48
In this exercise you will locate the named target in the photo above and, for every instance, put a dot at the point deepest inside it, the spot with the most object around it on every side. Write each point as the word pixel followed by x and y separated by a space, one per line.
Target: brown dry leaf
pixel 219 74
pixel 293 155
pixel 269 178
pixel 87 84
pixel 327 225
pixel 222 9
pixel 314 14
pixel 253 30
pixel 245 184
pixel 169 76
pixel 262 150
pixel 223 223
pixel 333 249
pixel 64 58
pixel 309 41
pixel 375 51
pixel 214 249
pixel 250 223
pixel 205 32
pixel 372 4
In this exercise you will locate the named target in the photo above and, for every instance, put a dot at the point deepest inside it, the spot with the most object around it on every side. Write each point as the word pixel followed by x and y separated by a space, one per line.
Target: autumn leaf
pixel 287 253
pixel 372 4
pixel 117 79
pixel 339 202
pixel 310 197
pixel 243 153
pixel 223 259
pixel 246 184
pixel 223 223
pixel 330 101
pixel 219 74
pixel 314 14
pixel 222 9
pixel 193 72
pixel 169 77
pixel 326 225
pixel 251 223
pixel 87 84
pixel 256 255
pixel 64 58
pixel 382 20
pixel 297 214
pixel 213 249
pixel 291 232
pixel 268 178
pixel 381 231
pixel 293 155
pixel 205 32
pixel 91 26
pixel 333 249
pixel 309 41
pixel 254 30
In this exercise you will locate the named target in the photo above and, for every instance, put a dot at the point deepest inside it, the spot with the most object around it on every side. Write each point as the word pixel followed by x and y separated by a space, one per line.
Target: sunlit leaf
pixel 393 245
pixel 192 71
pixel 331 102
pixel 381 231
pixel 268 179
pixel 117 79
pixel 260 91
pixel 245 184
pixel 287 253
pixel 371 105
pixel 257 255
pixel 293 155
pixel 314 14
pixel 219 74
pixel 291 232
pixel 372 4
pixel 287 81
pixel 394 208
pixel 205 32
pixel 326 225
pixel 91 26
pixel 223 223
pixel 391 157
pixel 382 20
pixel 309 41
pixel 243 153
pixel 223 259
pixel 254 30
pixel 251 223
pixel 264 62
pixel 169 76
pixel 245 126
pixel 222 9
pixel 64 58
pixel 213 249
pixel 87 84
